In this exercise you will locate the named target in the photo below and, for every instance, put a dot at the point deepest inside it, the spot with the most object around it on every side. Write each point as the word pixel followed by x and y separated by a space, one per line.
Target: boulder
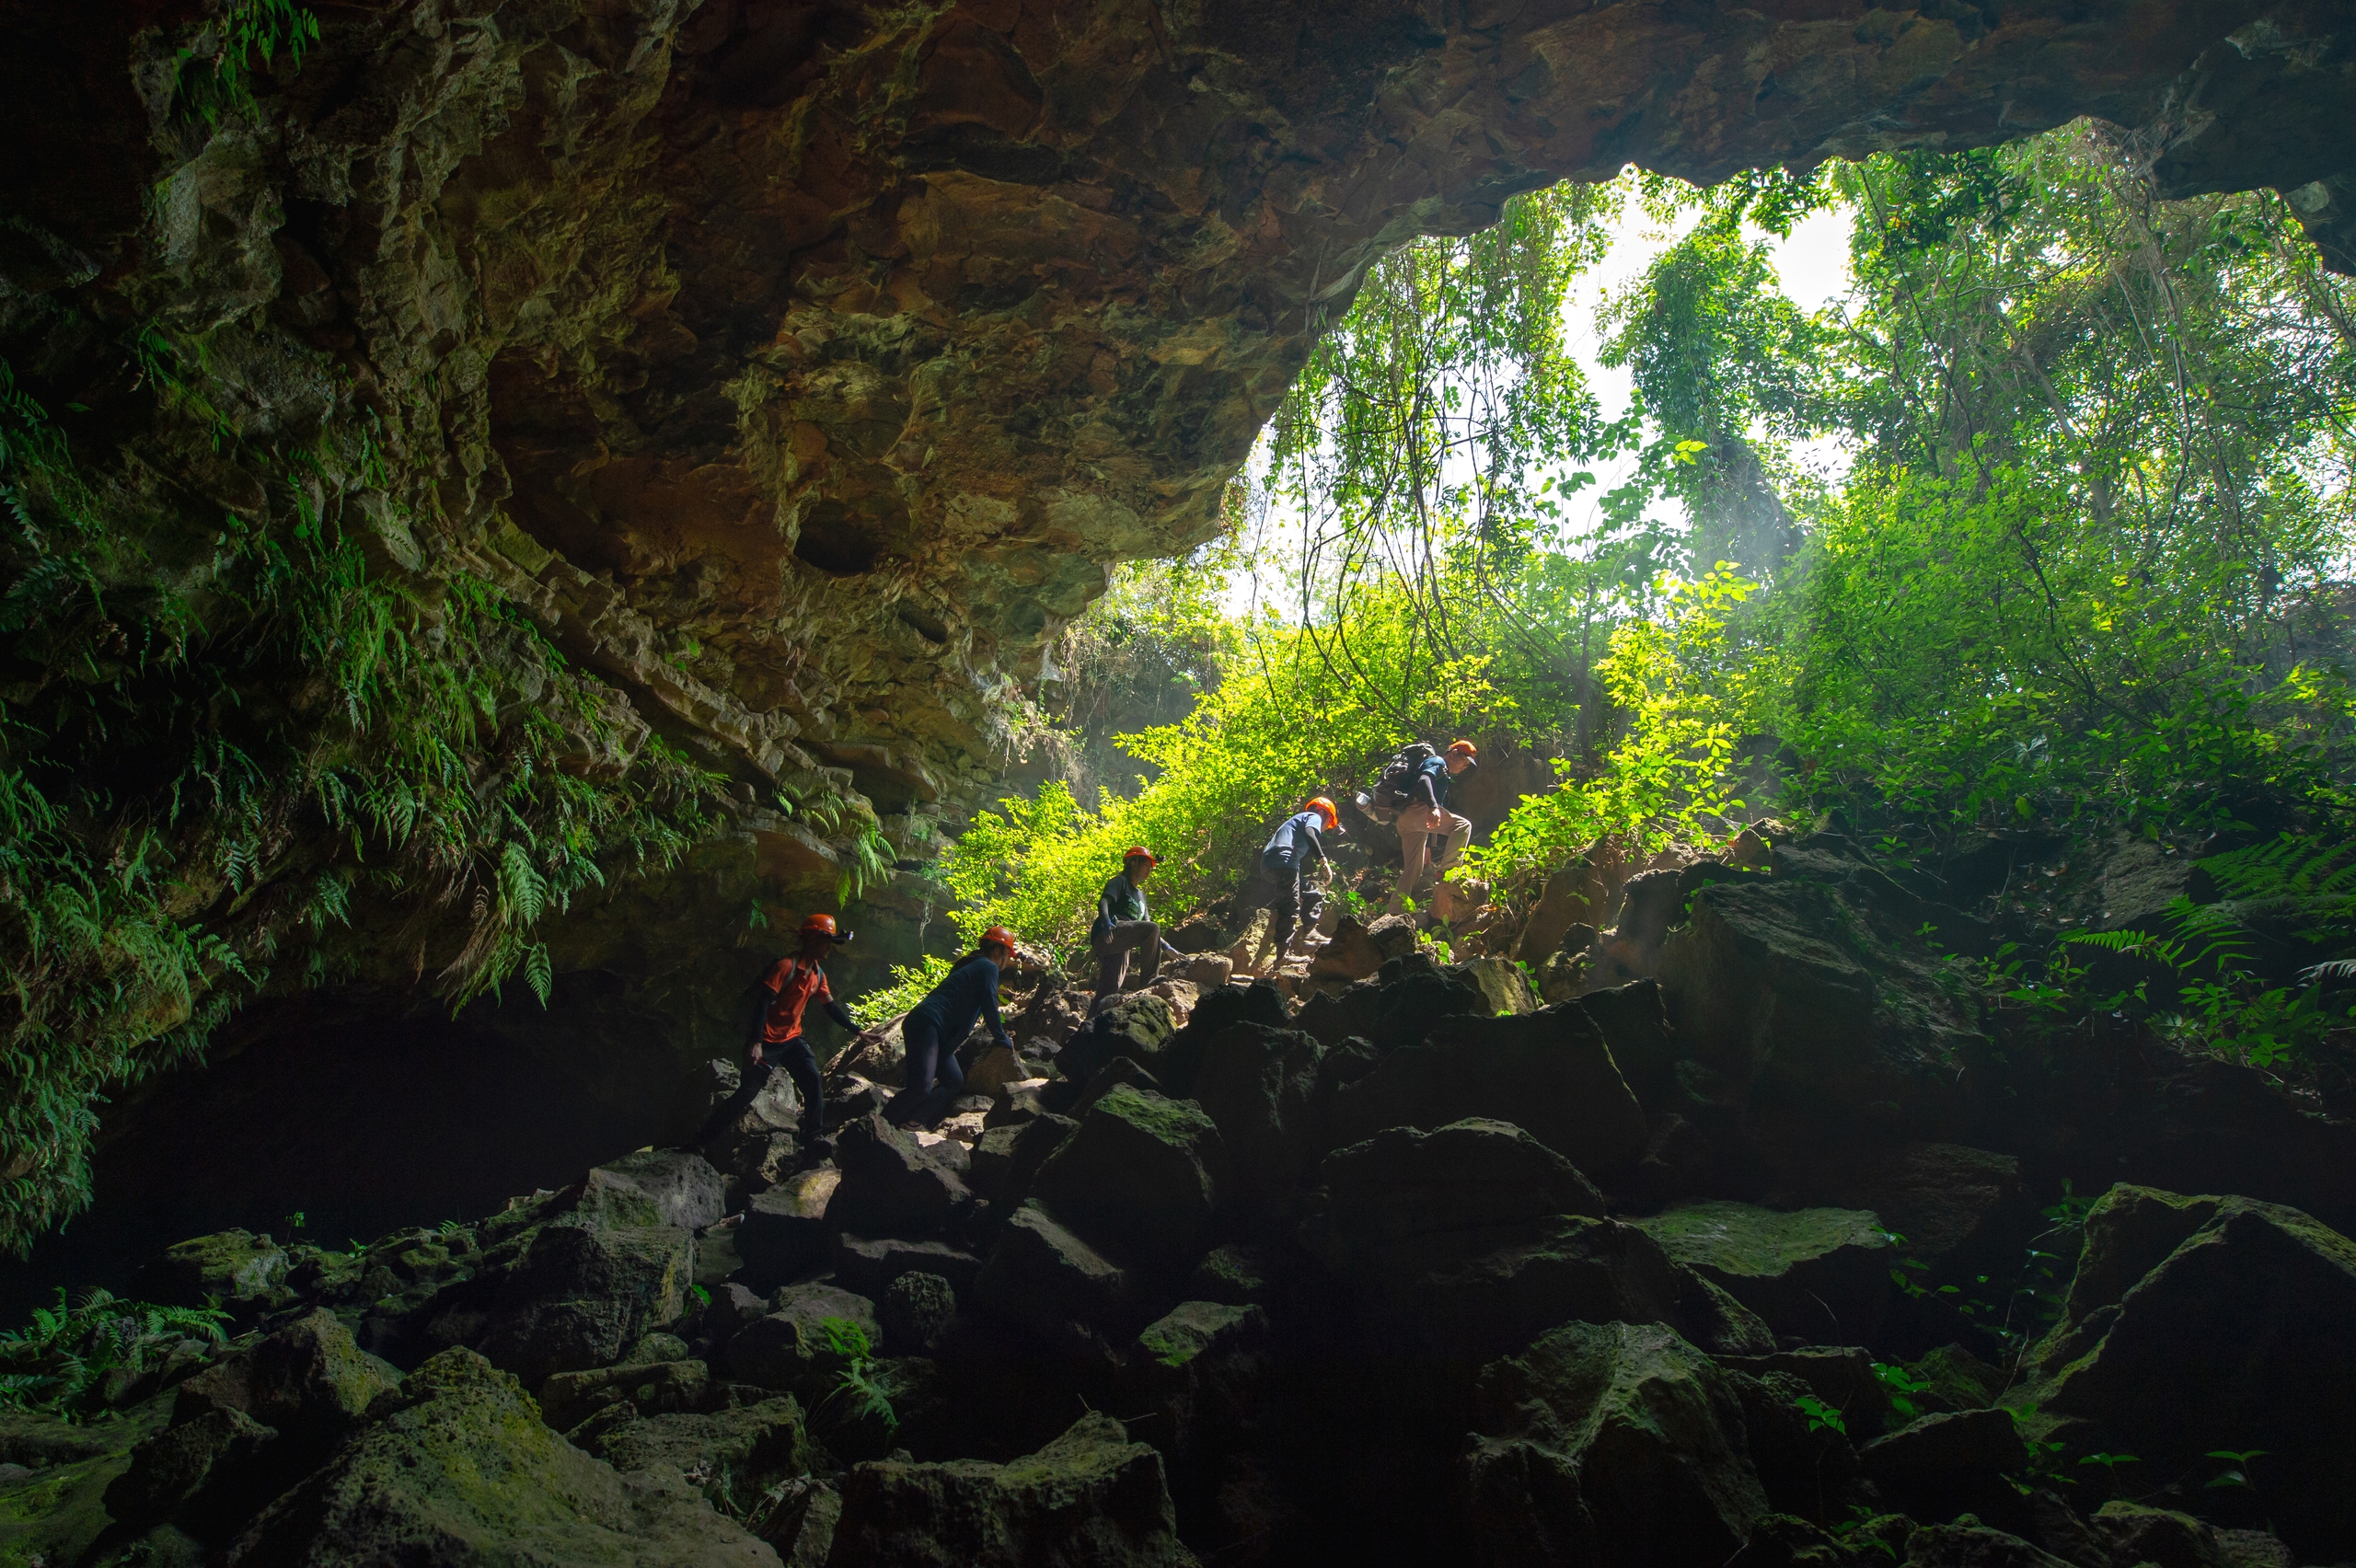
pixel 1963 1545
pixel 1202 1371
pixel 1634 1021
pixel 1935 1448
pixel 651 1389
pixel 784 1229
pixel 2162 1537
pixel 869 1267
pixel 1089 1499
pixel 1503 986
pixel 1008 1159
pixel 893 1184
pixel 753 1124
pixel 1216 1010
pixel 464 1471
pixel 1820 1274
pixel 1581 894
pixel 1349 953
pixel 1259 1085
pixel 1840 1375
pixel 1549 1073
pixel 1045 1280
pixel 1789 987
pixel 1140 1026
pixel 2243 1336
pixel 579 1296
pixel 1605 1444
pixel 995 1065
pixel 1233 1275
pixel 239 1269
pixel 1472 1241
pixel 918 1309
pixel 731 1454
pixel 1206 971
pixel 652 1187
pixel 790 1343
pixel 208 1472
pixel 1113 1075
pixel 1141 1177
pixel 310 1381
pixel 1962 1211
pixel 731 1307
pixel 1407 998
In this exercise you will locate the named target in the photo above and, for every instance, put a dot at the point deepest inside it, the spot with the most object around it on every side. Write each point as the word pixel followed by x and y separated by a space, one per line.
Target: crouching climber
pixel 1426 817
pixel 937 1026
pixel 774 1039
pixel 1123 926
pixel 1282 884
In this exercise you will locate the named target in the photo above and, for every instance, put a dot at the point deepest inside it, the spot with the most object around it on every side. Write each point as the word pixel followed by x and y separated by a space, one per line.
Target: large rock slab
pixel 1609 1443
pixel 2241 1335
pixel 1549 1073
pixel 580 1296
pixel 782 1349
pixel 1048 1281
pixel 1259 1085
pixel 464 1471
pixel 892 1184
pixel 1820 1274
pixel 784 1229
pixel 731 1453
pixel 1141 1178
pixel 654 1186
pixel 1089 1499
pixel 1472 1241
pixel 1790 988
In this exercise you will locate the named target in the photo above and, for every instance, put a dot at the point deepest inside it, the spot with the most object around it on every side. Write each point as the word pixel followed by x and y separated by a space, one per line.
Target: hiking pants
pixel 800 1064
pixel 1141 937
pixel 1293 898
pixel 934 1080
pixel 1414 857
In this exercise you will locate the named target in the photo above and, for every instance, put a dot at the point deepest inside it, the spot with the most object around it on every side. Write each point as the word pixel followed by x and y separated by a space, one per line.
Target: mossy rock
pixel 1820 1274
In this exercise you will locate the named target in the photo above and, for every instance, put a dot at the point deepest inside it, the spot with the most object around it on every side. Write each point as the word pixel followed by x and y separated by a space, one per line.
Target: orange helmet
pixel 818 927
pixel 1324 808
pixel 999 935
pixel 1465 749
pixel 1139 852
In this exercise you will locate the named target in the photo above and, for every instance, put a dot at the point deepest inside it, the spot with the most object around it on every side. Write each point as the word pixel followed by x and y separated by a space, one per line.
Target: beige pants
pixel 1416 833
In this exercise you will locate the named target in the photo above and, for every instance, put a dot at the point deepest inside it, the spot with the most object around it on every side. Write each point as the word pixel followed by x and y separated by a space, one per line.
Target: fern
pixel 864 1394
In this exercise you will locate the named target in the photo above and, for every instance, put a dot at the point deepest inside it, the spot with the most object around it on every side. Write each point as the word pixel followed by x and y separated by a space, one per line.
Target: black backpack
pixel 1399 774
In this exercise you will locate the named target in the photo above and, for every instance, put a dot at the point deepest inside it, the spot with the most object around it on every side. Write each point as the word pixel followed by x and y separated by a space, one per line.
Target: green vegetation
pixel 67 1354
pixel 2081 566
pixel 239 757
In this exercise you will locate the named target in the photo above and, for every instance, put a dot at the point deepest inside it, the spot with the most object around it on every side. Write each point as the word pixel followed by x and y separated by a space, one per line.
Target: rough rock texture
pixel 464 1472
pixel 1089 1499
pixel 2201 1316
pixel 1608 1443
pixel 1139 1177
pixel 1821 1274
pixel 580 1296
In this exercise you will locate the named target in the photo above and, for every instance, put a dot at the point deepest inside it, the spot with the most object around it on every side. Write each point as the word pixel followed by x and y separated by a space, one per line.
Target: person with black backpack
pixel 1423 817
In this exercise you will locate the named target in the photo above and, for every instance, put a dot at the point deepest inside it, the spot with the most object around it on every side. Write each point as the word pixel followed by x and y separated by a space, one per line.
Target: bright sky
pixel 1812 264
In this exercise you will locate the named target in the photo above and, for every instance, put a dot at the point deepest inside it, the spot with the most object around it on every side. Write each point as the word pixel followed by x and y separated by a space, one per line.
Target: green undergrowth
pixel 241 749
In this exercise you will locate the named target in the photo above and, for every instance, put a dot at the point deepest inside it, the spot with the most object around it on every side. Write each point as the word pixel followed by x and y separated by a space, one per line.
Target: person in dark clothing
pixel 1123 927
pixel 1285 862
pixel 773 1038
pixel 937 1026
pixel 1425 817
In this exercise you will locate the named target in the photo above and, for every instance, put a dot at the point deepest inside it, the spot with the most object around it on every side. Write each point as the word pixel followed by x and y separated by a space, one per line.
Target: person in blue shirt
pixel 1282 885
pixel 935 1027
pixel 1425 817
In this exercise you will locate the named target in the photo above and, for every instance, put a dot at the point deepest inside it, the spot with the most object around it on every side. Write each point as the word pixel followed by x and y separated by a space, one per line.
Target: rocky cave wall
pixel 800 369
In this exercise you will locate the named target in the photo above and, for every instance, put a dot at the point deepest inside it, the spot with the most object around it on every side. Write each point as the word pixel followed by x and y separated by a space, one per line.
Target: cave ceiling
pixel 802 367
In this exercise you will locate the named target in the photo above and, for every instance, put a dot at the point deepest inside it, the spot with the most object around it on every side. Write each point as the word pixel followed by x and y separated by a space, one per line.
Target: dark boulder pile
pixel 1768 1258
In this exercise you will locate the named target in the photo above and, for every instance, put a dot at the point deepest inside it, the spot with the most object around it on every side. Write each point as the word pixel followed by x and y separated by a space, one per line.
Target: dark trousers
pixel 1140 937
pixel 934 1080
pixel 1292 898
pixel 801 1064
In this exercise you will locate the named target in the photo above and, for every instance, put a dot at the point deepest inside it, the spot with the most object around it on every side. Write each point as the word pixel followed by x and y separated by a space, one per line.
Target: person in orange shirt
pixel 774 1038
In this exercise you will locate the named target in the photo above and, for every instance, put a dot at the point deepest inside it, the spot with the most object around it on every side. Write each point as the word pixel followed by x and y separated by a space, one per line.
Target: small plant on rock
pixel 864 1393
pixel 67 1352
